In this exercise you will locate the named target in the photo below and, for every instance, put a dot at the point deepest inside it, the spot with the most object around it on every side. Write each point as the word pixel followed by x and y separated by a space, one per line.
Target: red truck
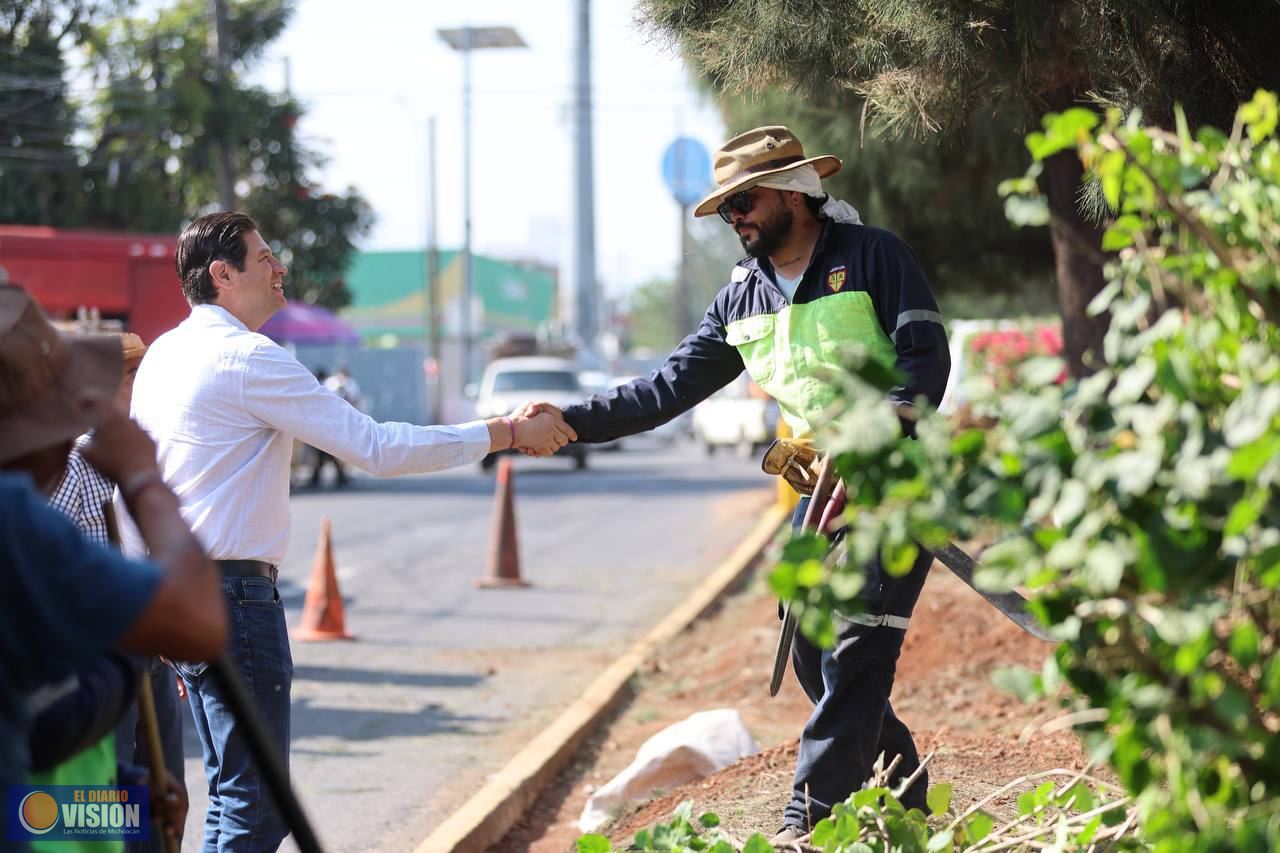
pixel 127 277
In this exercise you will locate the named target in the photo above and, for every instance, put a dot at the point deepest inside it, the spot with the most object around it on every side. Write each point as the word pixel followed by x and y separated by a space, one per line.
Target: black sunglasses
pixel 740 203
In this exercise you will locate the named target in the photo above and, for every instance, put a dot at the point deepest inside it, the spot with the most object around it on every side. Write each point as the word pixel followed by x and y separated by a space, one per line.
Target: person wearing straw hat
pixel 65 600
pixel 814 281
pixel 83 489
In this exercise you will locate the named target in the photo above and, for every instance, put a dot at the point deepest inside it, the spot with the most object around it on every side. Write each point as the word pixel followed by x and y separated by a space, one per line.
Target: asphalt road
pixel 445 682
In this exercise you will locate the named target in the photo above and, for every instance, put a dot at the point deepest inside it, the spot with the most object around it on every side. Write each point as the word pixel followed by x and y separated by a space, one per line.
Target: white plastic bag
pixel 690 749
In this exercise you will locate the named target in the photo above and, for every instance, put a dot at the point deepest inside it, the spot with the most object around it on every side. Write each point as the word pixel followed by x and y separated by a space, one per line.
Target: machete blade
pixel 1010 604
pixel 786 636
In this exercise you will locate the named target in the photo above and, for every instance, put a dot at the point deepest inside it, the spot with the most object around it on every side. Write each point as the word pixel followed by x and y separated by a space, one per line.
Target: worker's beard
pixel 771 234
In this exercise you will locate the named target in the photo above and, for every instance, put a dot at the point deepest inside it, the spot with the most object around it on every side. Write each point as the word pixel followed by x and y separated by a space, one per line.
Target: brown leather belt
pixel 248 568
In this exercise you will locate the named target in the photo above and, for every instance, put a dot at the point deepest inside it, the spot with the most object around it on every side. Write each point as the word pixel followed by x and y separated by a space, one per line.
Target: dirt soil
pixel 981 737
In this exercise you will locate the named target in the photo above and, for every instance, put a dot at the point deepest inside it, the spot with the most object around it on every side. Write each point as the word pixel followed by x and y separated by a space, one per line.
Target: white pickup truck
pixel 739 415
pixel 509 383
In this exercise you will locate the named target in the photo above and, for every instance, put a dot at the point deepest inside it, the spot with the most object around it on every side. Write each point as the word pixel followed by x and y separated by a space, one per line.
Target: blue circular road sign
pixel 686 168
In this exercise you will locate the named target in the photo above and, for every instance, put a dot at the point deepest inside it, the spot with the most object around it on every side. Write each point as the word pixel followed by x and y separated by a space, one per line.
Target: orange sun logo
pixel 38 813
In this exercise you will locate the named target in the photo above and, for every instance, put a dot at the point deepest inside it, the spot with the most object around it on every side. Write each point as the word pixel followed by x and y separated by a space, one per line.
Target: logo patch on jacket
pixel 835 279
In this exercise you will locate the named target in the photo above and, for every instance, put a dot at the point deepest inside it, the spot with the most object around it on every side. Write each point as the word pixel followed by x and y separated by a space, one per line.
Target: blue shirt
pixel 64 601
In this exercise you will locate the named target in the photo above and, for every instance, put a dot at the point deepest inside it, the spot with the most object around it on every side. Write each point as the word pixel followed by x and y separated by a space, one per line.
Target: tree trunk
pixel 1077 260
pixel 1077 242
pixel 1077 246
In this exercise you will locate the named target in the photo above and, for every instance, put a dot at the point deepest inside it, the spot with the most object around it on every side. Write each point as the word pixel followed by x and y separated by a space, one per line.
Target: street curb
pixel 492 811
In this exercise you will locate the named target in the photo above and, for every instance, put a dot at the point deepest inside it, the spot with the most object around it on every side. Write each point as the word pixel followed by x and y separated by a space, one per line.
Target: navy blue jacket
pixel 847 259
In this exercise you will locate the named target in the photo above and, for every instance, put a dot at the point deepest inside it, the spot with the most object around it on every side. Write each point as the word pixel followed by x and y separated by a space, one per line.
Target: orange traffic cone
pixel 322 616
pixel 503 569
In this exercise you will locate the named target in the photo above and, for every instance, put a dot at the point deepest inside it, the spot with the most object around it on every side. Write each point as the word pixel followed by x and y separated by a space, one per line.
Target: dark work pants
pixel 852 721
pixel 321 459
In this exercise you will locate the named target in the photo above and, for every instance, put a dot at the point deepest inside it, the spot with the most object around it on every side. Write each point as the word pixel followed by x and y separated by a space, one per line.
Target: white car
pixel 739 415
pixel 509 383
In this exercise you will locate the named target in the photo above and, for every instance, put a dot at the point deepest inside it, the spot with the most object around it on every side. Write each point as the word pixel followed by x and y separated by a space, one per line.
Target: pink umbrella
pixel 301 323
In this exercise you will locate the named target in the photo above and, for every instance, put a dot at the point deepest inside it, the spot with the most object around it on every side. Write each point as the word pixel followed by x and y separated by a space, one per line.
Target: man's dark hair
pixel 815 203
pixel 216 237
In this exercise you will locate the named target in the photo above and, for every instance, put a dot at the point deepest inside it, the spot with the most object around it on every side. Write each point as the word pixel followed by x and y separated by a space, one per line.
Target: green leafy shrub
pixel 1138 504
pixel 680 834
pixel 1075 813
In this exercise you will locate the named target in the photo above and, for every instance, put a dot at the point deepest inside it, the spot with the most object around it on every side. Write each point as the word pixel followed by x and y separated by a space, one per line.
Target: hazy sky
pixel 370 74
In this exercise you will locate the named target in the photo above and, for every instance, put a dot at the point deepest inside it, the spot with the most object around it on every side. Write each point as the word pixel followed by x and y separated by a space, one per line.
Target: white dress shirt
pixel 224 405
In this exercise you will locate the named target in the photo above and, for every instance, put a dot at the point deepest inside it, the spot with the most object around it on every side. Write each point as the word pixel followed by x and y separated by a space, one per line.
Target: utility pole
pixel 586 311
pixel 220 48
pixel 684 325
pixel 431 322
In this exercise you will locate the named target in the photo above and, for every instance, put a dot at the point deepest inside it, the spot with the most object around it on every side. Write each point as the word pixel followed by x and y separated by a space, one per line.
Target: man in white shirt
pixel 224 404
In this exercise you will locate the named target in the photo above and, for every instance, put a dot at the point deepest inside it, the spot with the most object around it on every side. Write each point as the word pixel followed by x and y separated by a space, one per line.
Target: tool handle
pixel 822 491
pixel 834 507
pixel 821 494
pixel 155 752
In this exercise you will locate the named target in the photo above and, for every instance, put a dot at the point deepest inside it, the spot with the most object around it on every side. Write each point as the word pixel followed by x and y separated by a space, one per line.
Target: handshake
pixel 534 429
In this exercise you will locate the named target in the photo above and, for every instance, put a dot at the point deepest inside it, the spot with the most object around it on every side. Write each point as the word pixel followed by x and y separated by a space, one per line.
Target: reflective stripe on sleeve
pixel 918 315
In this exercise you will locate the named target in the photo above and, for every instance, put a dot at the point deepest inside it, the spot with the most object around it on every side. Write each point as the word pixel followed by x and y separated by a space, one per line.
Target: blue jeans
pixel 852 721
pixel 131 744
pixel 242 814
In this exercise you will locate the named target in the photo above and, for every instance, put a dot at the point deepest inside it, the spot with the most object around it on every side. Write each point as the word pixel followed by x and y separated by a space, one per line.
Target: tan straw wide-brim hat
pixel 132 346
pixel 742 161
pixel 43 376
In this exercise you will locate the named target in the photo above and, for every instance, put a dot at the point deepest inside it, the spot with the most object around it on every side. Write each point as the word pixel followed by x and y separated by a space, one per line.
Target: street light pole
pixel 586 298
pixel 684 325
pixel 467 281
pixel 464 40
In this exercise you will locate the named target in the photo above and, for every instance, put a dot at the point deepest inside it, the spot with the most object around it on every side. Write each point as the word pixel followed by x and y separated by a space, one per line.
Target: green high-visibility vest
pixel 93 765
pixel 794 354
